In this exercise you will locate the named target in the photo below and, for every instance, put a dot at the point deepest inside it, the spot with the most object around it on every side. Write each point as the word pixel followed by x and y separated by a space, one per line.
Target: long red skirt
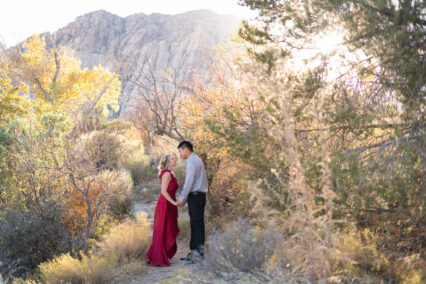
pixel 165 231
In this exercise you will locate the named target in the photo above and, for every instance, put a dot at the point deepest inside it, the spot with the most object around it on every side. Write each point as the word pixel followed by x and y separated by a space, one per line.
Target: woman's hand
pixel 174 203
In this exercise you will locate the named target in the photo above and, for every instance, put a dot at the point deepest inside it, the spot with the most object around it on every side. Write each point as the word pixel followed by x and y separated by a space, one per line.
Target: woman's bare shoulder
pixel 167 174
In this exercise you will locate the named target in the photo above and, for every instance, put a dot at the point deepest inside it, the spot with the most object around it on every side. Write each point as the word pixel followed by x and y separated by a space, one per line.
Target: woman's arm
pixel 165 181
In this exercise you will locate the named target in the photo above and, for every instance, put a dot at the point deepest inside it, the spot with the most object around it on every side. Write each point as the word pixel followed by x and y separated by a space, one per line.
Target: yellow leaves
pixel 362 248
pixel 97 86
pixel 35 47
pixel 104 87
pixel 58 81
pixel 12 103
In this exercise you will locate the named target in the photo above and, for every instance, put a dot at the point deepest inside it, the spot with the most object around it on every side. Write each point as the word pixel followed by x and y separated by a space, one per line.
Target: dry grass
pixel 360 256
pixel 309 245
pixel 122 249
pixel 134 268
pixel 240 248
pixel 127 242
pixel 184 228
pixel 90 269
pixel 361 249
pixel 22 281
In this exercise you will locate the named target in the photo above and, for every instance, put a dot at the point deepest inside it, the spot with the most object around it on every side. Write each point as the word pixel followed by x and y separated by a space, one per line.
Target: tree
pixel 350 147
pixel 56 79
pixel 156 108
pixel 31 209
pixel 12 104
pixel 374 110
pixel 390 33
pixel 60 181
pixel 58 190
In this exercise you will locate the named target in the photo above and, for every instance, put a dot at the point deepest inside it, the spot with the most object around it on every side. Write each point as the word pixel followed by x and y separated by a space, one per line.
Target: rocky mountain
pixel 179 41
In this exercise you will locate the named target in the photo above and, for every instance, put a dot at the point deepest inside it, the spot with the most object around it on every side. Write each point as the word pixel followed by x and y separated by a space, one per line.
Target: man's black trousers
pixel 196 205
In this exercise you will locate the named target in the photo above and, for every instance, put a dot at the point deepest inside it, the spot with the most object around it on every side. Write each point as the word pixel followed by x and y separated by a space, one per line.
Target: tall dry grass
pixel 307 249
pixel 127 241
pixel 240 248
pixel 123 248
pixel 88 269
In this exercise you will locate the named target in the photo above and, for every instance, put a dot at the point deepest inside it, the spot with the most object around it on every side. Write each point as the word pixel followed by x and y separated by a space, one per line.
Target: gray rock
pixel 180 41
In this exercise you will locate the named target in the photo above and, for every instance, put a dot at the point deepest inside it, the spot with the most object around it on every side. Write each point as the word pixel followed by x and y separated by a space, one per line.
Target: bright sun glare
pixel 327 47
pixel 329 42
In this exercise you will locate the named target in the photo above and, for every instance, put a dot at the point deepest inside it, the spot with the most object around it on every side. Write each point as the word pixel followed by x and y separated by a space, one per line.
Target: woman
pixel 165 228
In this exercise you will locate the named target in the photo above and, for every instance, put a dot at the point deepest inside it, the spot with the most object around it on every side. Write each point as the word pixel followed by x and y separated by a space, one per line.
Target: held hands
pixel 177 203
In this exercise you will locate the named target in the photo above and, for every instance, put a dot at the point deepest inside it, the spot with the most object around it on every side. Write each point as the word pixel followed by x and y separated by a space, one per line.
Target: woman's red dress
pixel 165 228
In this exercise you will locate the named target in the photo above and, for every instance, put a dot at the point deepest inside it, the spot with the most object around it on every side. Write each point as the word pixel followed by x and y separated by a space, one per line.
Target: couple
pixel 165 228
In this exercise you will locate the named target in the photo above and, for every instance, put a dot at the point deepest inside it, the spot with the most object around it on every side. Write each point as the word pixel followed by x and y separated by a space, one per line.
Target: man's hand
pixel 179 203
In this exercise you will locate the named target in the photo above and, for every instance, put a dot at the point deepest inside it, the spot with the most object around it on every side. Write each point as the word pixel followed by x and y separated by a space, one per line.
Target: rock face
pixel 180 42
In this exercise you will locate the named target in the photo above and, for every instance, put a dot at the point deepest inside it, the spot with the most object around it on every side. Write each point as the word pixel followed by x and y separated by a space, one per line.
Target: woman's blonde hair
pixel 164 163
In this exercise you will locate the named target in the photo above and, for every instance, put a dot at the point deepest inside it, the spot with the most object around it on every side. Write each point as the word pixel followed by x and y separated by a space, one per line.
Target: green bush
pixel 102 148
pixel 30 236
pixel 240 248
pixel 134 159
pixel 120 201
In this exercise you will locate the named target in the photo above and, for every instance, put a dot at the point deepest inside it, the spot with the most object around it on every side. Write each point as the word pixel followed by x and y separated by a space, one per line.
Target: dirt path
pixel 158 274
pixel 154 274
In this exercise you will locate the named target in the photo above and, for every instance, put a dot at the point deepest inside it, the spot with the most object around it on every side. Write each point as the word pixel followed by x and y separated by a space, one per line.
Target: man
pixel 194 193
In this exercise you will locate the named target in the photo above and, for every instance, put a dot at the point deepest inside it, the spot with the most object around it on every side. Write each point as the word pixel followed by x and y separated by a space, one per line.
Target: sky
pixel 20 19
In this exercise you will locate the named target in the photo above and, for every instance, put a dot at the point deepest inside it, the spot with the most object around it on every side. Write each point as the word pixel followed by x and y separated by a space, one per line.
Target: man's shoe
pixel 188 261
pixel 194 257
pixel 187 257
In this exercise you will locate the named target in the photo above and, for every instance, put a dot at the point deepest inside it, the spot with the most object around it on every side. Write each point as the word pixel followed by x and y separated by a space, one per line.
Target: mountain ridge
pixel 177 42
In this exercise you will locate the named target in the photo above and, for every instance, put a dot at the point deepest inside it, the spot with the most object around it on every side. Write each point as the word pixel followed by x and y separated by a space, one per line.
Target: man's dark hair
pixel 186 144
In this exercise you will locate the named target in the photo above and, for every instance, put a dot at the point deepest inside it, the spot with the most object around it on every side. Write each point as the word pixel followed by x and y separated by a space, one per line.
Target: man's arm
pixel 189 181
